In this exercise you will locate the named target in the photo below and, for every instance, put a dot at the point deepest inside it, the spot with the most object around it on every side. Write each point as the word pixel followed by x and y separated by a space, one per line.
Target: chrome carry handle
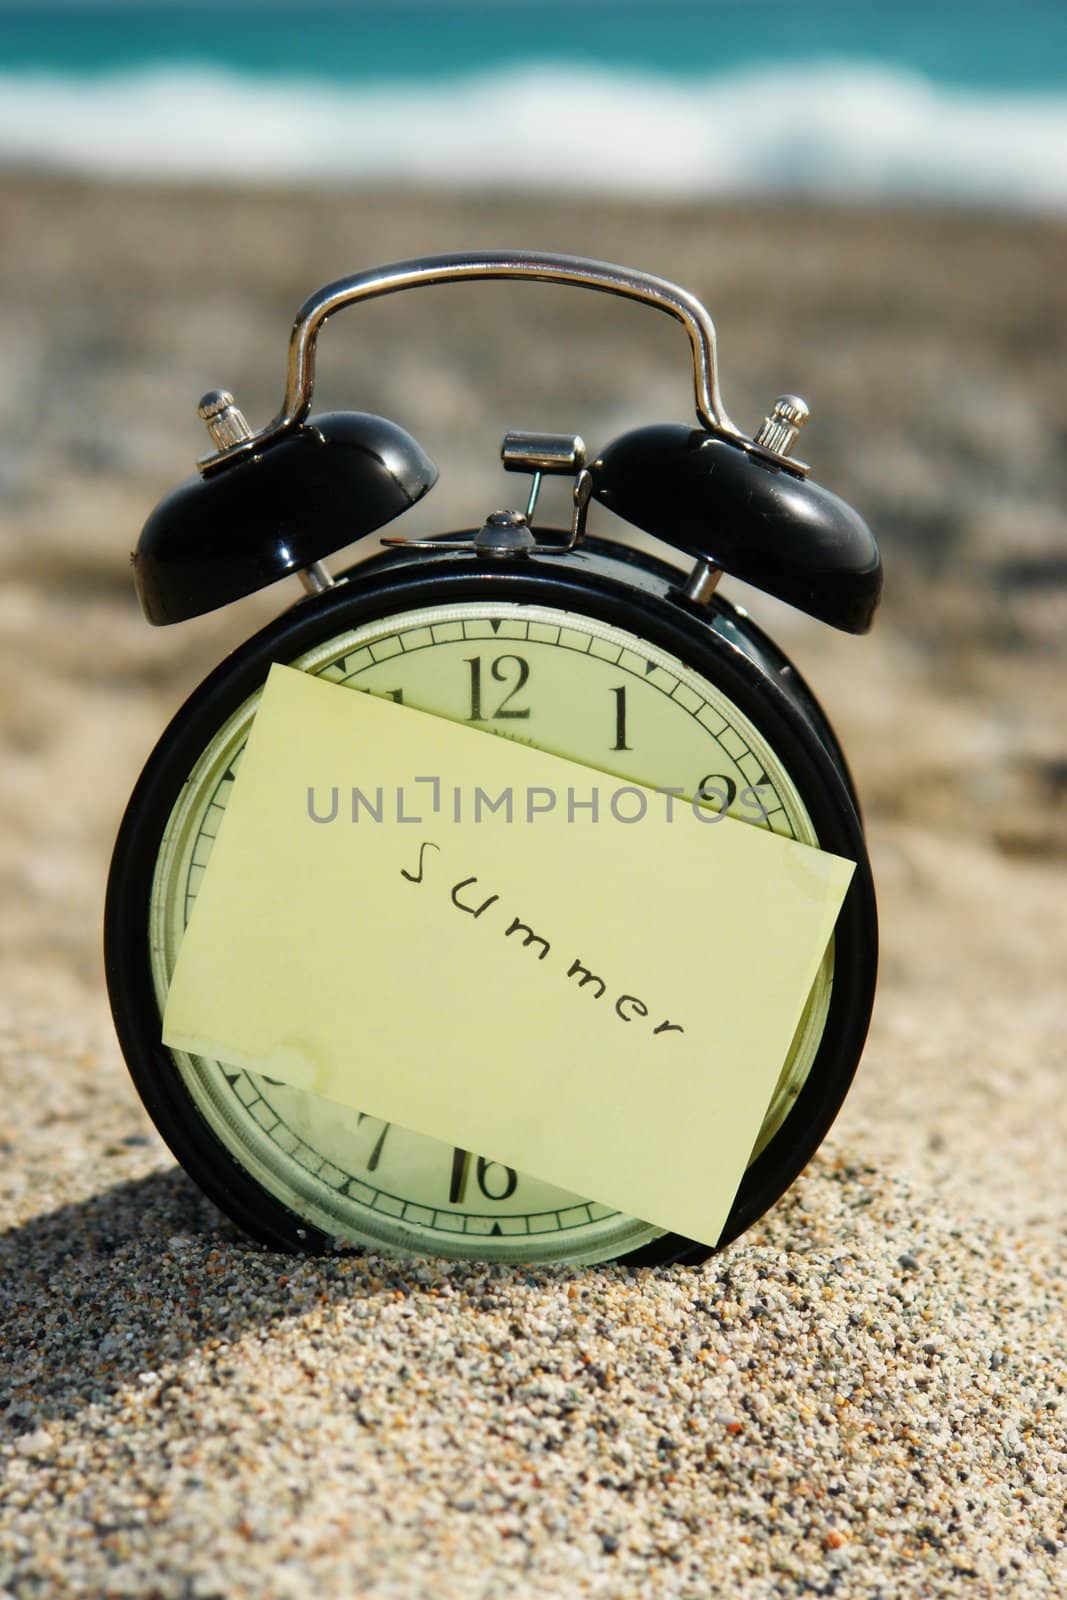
pixel 460 268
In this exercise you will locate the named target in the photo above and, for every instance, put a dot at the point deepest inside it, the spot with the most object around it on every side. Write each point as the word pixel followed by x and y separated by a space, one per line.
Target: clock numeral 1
pixel 620 719
pixel 501 674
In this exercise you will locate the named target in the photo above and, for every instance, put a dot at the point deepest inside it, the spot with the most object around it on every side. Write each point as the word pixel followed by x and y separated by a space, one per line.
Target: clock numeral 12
pixel 501 675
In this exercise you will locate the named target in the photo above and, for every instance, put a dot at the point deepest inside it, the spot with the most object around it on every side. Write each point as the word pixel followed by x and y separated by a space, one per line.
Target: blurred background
pixel 870 200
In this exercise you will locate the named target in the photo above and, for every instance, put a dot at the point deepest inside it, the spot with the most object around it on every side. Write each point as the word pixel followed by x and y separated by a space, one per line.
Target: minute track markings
pixel 348 1179
pixel 563 644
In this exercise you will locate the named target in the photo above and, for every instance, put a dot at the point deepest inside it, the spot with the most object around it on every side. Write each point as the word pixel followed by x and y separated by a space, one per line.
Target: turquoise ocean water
pixel 939 101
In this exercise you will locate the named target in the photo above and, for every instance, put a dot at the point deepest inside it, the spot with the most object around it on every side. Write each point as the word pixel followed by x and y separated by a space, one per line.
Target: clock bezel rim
pixel 387 586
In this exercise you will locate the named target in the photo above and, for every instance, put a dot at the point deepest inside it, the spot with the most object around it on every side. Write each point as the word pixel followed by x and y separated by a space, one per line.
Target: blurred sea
pixel 940 101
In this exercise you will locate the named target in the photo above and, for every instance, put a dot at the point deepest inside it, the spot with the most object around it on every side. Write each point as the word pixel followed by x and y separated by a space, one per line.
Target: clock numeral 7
pixel 501 673
pixel 376 1153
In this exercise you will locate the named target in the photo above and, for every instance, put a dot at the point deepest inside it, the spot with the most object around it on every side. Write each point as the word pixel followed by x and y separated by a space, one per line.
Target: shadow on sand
pixel 101 1290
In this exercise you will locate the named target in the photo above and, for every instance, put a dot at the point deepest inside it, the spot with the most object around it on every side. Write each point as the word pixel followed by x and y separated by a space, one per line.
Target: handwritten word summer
pixel 472 899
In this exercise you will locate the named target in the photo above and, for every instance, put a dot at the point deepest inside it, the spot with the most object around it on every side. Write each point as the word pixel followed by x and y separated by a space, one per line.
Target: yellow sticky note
pixel 406 916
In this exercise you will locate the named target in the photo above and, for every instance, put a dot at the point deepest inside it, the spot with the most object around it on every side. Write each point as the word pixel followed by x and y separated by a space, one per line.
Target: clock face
pixel 576 687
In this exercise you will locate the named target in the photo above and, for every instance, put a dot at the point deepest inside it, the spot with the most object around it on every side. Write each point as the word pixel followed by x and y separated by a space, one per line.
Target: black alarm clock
pixel 588 647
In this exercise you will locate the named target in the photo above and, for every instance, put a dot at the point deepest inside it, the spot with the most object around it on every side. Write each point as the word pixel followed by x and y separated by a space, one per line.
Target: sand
pixel 865 1395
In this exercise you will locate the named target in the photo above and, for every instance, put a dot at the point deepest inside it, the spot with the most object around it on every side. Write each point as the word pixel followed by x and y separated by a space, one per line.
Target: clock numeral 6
pixel 495 1190
pixel 502 673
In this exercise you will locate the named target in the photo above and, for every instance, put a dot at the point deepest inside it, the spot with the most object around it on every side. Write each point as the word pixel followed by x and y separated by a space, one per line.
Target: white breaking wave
pixel 838 130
